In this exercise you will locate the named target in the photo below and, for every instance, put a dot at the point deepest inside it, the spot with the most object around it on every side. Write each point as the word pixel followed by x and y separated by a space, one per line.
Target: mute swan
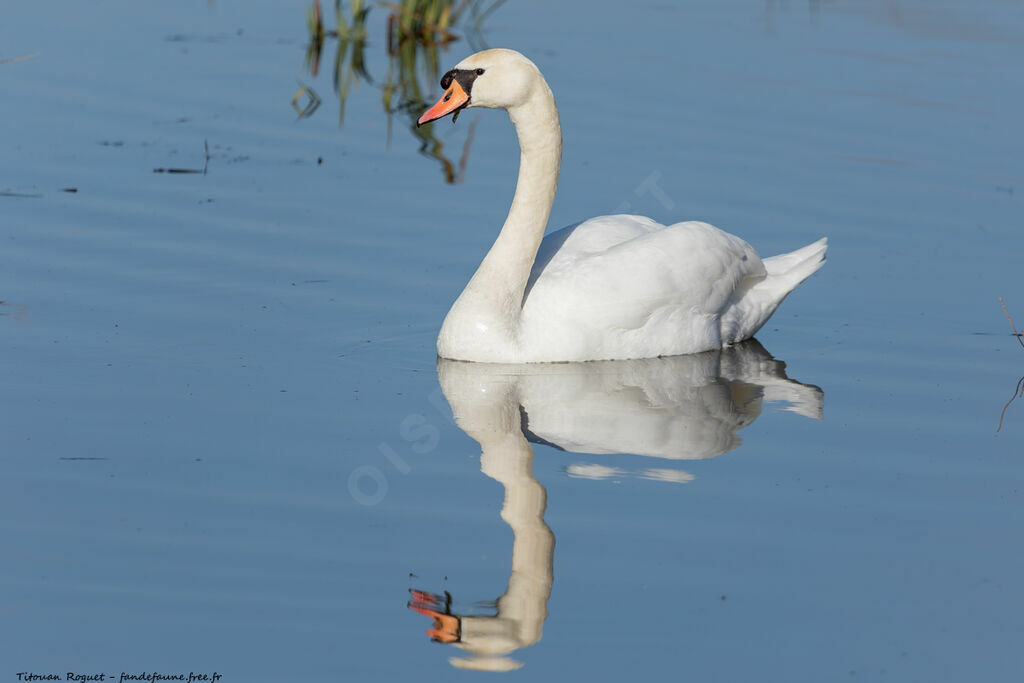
pixel 612 287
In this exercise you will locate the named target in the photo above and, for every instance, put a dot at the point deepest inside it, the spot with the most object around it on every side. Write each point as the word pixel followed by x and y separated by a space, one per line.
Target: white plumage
pixel 612 287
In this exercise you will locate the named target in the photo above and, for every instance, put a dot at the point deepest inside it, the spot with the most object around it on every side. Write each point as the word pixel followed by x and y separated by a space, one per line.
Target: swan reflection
pixel 679 408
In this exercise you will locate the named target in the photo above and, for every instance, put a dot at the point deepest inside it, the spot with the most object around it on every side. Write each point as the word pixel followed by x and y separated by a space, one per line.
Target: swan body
pixel 612 287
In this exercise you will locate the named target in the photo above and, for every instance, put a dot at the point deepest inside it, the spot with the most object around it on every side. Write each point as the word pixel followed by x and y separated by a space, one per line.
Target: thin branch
pixel 1015 332
pixel 1018 391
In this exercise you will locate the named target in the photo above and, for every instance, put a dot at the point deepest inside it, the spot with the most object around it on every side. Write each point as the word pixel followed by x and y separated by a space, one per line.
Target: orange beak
pixel 453 100
pixel 447 626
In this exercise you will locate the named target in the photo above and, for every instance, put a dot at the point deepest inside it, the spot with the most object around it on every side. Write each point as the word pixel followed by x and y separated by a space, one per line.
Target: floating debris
pixel 206 164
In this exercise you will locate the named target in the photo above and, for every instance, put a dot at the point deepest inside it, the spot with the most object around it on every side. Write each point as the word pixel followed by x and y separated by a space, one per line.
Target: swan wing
pixel 625 286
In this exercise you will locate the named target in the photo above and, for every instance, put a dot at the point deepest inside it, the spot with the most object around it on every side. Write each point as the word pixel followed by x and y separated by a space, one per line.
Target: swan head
pixel 496 79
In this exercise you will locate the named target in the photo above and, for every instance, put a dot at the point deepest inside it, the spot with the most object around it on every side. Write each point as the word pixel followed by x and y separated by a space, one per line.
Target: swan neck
pixel 505 270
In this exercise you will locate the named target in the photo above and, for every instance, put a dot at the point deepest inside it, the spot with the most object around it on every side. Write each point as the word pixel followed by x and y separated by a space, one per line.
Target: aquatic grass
pixel 349 59
pixel 417 32
pixel 432 21
pixel 312 101
pixel 428 21
pixel 403 94
pixel 354 28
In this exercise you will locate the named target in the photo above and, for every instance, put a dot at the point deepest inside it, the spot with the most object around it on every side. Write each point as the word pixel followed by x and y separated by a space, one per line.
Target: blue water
pixel 228 445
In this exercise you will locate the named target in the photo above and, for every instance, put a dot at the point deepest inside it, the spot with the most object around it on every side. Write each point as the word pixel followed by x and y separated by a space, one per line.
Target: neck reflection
pixel 680 408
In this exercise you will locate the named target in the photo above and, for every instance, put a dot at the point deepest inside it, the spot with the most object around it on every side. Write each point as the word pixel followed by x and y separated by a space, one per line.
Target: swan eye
pixel 479 72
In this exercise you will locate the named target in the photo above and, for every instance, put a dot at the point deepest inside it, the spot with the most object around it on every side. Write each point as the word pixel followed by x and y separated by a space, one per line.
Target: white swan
pixel 612 287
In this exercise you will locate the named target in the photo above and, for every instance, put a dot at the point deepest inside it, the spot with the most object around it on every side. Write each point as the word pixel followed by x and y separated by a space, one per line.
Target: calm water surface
pixel 228 445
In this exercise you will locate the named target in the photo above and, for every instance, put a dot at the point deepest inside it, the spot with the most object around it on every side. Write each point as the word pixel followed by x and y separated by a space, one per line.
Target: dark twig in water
pixel 206 164
pixel 1019 389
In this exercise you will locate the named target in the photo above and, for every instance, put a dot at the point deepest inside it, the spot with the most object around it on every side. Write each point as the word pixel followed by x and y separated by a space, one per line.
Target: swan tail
pixel 751 365
pixel 800 263
pixel 802 399
pixel 753 305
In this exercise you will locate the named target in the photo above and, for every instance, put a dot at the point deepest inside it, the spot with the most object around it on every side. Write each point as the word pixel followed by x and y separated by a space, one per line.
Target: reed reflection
pixel 418 32
pixel 680 408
